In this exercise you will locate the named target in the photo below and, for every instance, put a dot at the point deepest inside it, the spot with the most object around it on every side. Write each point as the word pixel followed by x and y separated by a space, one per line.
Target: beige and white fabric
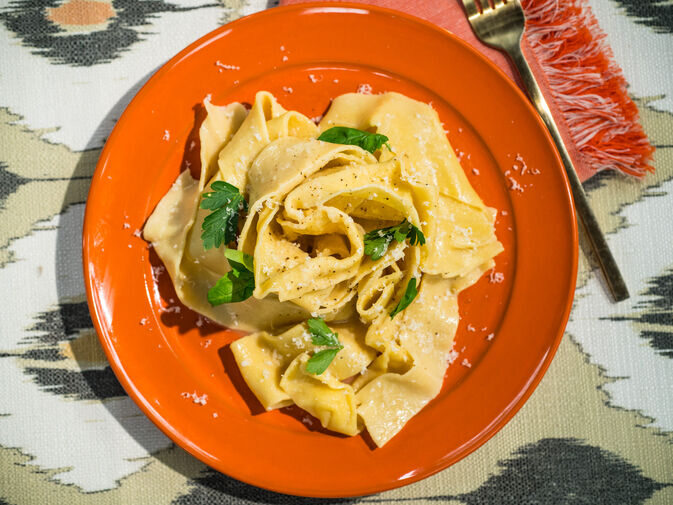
pixel 599 428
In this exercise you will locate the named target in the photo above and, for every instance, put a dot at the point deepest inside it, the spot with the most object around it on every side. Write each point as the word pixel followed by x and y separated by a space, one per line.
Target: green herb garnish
pixel 323 336
pixel 221 225
pixel 377 241
pixel 406 299
pixel 354 137
pixel 238 284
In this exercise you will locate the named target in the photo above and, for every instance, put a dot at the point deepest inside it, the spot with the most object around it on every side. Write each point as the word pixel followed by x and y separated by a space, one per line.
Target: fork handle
pixel 587 218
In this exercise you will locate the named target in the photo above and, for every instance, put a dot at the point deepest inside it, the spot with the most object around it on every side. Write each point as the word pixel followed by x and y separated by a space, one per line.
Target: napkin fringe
pixel 588 86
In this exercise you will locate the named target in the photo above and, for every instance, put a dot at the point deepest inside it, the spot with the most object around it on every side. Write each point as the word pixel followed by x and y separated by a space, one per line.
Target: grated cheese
pixel 496 277
pixel 225 66
pixel 514 184
pixel 365 89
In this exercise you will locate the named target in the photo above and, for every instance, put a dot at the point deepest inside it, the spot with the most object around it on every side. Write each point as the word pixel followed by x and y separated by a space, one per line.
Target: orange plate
pixel 306 55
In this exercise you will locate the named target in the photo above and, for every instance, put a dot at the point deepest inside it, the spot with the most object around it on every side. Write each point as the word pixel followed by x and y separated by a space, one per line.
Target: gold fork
pixel 501 24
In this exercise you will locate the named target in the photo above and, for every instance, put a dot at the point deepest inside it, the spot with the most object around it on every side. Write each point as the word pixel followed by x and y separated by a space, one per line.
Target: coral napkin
pixel 582 83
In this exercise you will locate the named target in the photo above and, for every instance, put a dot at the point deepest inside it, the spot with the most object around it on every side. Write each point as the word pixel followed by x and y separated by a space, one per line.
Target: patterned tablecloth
pixel 598 430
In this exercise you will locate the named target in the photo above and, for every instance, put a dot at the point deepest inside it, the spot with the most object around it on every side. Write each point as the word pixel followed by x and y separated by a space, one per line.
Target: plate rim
pixel 106 340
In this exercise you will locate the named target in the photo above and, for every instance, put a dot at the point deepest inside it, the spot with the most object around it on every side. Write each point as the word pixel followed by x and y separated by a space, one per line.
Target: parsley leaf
pixel 221 225
pixel 239 260
pixel 319 362
pixel 376 244
pixel 406 299
pixel 377 241
pixel 415 236
pixel 238 284
pixel 322 335
pixel 354 137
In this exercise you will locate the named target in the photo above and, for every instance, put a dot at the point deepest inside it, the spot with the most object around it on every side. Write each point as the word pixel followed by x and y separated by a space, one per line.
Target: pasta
pixel 335 233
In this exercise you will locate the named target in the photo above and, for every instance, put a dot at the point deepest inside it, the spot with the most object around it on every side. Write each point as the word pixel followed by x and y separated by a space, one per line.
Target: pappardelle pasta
pixel 341 246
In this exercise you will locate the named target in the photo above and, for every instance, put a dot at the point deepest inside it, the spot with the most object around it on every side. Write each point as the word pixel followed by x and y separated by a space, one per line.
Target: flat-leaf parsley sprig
pixel 354 137
pixel 238 284
pixel 220 226
pixel 408 297
pixel 377 241
pixel 321 335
